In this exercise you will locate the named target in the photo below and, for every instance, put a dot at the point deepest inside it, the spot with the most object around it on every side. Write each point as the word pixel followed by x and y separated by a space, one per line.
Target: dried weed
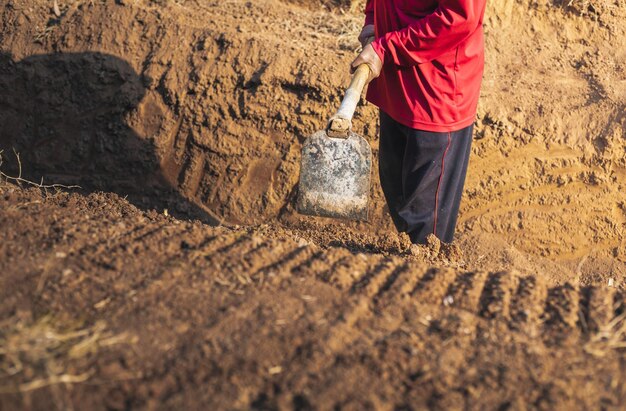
pixel 19 180
pixel 40 354
pixel 610 337
pixel 592 8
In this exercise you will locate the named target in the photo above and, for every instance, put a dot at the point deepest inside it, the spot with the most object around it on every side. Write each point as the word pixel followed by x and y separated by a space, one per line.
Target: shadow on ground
pixel 66 115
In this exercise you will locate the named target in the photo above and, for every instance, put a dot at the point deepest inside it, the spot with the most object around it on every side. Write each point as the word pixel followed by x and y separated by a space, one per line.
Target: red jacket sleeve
pixel 433 35
pixel 369 12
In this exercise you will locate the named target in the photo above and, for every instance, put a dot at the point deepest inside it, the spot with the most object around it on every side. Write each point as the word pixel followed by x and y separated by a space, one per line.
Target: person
pixel 426 65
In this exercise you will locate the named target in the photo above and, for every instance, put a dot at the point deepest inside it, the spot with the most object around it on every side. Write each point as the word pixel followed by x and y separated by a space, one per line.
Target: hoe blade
pixel 335 176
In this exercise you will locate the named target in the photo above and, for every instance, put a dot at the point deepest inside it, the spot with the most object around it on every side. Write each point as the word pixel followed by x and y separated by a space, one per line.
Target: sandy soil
pixel 180 276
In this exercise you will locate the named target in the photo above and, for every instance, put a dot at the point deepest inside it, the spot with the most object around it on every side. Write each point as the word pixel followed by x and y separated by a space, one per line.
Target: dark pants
pixel 422 175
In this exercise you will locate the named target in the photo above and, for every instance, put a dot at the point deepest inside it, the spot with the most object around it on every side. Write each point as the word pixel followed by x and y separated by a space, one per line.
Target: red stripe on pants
pixel 443 165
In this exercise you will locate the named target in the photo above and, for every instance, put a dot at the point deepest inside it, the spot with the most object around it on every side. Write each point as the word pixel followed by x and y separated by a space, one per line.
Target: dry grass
pixel 335 6
pixel 609 338
pixel 357 6
pixel 19 180
pixel 592 8
pixel 44 353
pixel 347 39
pixel 344 28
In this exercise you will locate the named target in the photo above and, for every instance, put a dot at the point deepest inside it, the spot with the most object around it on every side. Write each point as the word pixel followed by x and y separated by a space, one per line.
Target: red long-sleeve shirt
pixel 433 59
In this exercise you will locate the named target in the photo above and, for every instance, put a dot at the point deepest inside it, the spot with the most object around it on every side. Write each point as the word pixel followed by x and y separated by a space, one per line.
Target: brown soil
pixel 148 311
pixel 180 277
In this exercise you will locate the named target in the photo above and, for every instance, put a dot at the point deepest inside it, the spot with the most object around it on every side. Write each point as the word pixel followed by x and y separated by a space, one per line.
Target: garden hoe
pixel 336 163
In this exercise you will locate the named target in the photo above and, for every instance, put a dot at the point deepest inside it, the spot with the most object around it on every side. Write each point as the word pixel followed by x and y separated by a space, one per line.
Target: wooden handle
pixel 341 123
pixel 359 79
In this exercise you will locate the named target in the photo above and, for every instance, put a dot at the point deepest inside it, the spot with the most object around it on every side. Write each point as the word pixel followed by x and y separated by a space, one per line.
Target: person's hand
pixel 368 56
pixel 366 33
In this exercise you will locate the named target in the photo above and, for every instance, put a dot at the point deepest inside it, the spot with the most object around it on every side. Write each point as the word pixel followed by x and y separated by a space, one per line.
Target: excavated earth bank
pixel 180 277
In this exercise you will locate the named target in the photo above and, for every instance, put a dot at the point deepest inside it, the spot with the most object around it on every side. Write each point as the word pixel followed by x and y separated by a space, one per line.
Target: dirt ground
pixel 179 276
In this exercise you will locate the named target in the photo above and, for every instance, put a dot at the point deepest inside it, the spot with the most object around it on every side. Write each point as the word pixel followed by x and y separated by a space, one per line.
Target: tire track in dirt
pixel 239 259
pixel 283 266
pixel 389 288
pixel 561 312
pixel 530 293
pixel 401 284
pixel 525 303
pixel 597 307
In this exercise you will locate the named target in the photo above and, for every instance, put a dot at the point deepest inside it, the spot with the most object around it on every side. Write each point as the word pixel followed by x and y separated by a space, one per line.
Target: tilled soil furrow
pixel 526 304
pixel 405 282
pixel 242 270
pixel 561 313
pixel 374 274
pixel 340 265
pixel 288 261
pixel 434 285
pixel 619 302
pixel 466 290
pixel 351 269
pixel 596 308
pixel 344 331
pixel 168 241
pixel 495 300
pixel 111 239
pixel 321 262
pixel 399 269
pixel 229 256
pixel 272 251
pixel 382 281
pixel 172 247
pixel 105 254
pixel 219 244
pixel 159 255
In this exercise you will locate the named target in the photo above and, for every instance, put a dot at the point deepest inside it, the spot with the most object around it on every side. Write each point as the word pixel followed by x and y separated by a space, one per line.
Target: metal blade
pixel 335 176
